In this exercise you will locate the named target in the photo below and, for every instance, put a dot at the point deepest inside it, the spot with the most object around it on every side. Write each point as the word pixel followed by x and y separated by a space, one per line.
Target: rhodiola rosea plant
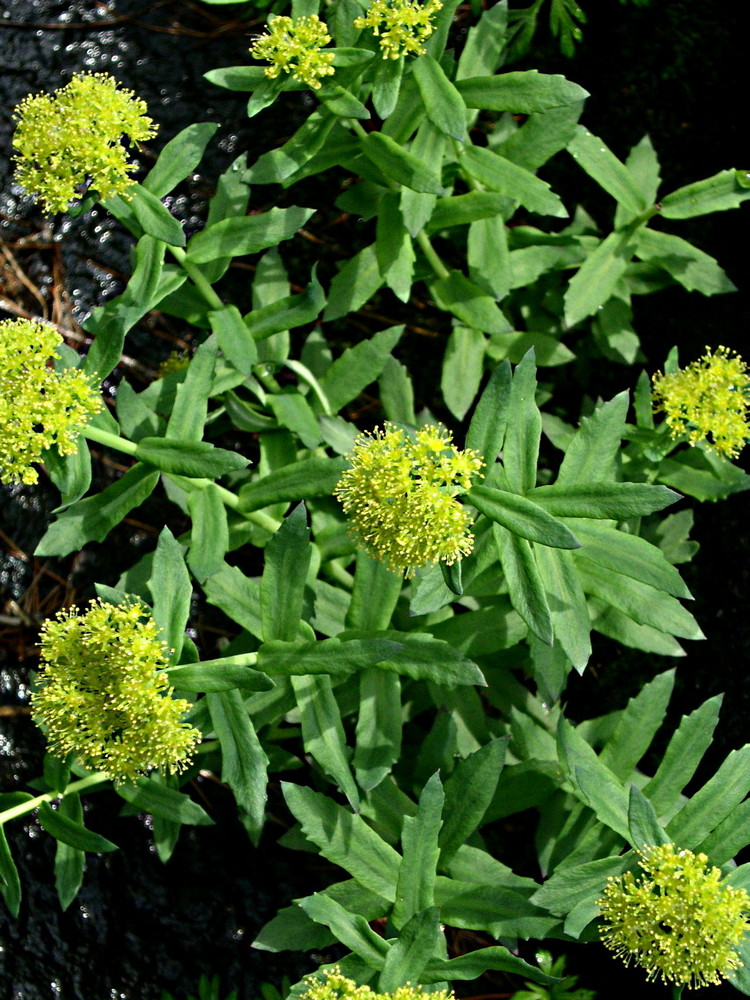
pixel 407 597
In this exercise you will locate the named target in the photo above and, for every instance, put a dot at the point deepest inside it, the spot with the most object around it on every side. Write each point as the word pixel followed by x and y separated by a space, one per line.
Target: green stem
pixel 197 277
pixel 228 498
pixel 430 253
pixel 78 786
pixel 677 992
pixel 335 569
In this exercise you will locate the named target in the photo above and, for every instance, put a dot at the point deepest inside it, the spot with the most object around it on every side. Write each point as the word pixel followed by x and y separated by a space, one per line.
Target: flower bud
pixel 680 921
pixel 103 696
pixel 708 400
pixel 72 138
pixel 400 496
pixel 294 46
pixel 39 407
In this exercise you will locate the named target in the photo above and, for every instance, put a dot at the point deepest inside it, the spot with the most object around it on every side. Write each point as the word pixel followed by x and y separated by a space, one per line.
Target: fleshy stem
pixel 229 499
pixel 85 784
pixel 422 238
pixel 196 276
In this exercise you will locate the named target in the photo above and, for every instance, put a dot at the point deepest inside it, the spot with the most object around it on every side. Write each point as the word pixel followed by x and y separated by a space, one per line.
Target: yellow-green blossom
pixel 294 46
pixel 401 25
pixel 176 362
pixel 680 921
pixel 399 495
pixel 336 986
pixel 708 400
pixel 39 406
pixel 73 137
pixel 103 696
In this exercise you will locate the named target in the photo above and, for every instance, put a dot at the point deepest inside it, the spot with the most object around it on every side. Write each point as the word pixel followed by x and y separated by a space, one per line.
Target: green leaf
pixel 488 423
pixel 213 675
pixel 243 761
pixel 638 725
pixel 515 182
pixel 713 802
pixel 237 595
pixel 393 247
pixel 171 591
pixel 542 136
pixel 92 519
pixel 618 626
pixel 249 234
pixel 470 303
pixel 315 477
pixel 421 852
pixel 358 367
pixel 520 93
pixel 483 48
pixel 638 601
pixel 151 217
pixel 714 194
pixel 355 283
pixel 287 312
pixel 488 256
pixel 323 733
pixel 342 102
pixel 683 755
pixel 522 517
pixel 442 101
pixel 592 781
pixel 71 474
pixel 283 581
pixel 209 534
pixel 500 911
pixel 571 885
pixel 610 173
pixel 159 800
pixel 525 585
pixel 645 830
pixel 524 428
pixel 10 883
pixel 400 165
pixel 275 166
pixel 293 411
pixel 241 78
pixel 72 833
pixel 397 392
pixel 603 500
pixel 195 459
pixel 463 364
pixel 595 280
pixel 729 837
pixel 567 604
pixel 429 146
pixel 416 944
pixel 372 577
pixel 378 734
pixel 386 86
pixel 345 839
pixel 351 929
pixel 620 552
pixel 694 269
pixel 460 209
pixel 235 341
pixel 475 963
pixel 590 456
pixel 189 413
pixel 69 861
pixel 108 324
pixel 179 157
pixel 468 794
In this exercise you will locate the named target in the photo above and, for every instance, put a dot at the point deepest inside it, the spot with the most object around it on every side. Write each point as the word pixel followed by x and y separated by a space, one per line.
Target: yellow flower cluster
pixel 399 495
pixel 401 25
pixel 294 46
pixel 39 406
pixel 336 986
pixel 73 137
pixel 708 400
pixel 680 921
pixel 102 696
